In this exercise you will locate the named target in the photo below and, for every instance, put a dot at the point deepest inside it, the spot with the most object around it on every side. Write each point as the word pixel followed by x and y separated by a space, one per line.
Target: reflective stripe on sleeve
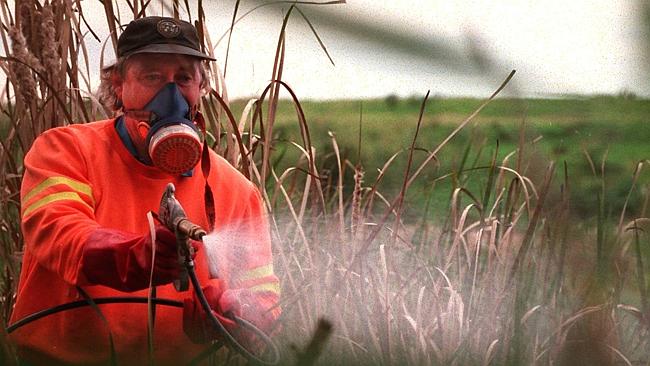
pixel 73 196
pixel 267 287
pixel 256 273
pixel 52 181
pixel 77 188
pixel 257 276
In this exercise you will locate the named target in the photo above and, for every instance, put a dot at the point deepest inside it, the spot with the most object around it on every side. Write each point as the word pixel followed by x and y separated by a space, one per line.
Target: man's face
pixel 147 73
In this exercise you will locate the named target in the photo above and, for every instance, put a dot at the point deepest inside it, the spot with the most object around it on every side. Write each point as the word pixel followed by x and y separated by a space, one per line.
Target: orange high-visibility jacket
pixel 81 177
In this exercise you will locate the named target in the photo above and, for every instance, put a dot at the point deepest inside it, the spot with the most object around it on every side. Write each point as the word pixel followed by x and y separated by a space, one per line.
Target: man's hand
pixel 225 305
pixel 122 260
pixel 247 305
pixel 196 324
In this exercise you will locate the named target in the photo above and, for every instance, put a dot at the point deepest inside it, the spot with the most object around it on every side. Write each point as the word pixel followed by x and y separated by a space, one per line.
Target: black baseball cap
pixel 160 35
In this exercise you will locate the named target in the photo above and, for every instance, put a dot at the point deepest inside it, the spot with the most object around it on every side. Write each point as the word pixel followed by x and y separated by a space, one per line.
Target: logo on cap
pixel 168 28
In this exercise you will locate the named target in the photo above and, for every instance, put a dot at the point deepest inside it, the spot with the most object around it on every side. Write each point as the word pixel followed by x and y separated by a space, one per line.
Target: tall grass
pixel 505 275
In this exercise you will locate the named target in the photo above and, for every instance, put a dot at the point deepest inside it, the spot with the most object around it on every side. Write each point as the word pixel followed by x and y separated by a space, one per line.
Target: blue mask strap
pixel 120 127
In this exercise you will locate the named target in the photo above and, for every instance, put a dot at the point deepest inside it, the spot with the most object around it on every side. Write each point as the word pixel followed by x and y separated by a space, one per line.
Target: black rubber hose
pixel 226 334
pixel 167 302
pixel 81 303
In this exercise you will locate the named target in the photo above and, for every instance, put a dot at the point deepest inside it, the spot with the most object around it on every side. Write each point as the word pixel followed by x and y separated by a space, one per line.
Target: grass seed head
pixel 24 80
pixel 50 56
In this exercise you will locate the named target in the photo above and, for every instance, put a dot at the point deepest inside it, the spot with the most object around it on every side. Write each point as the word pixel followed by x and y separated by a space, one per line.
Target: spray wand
pixel 172 215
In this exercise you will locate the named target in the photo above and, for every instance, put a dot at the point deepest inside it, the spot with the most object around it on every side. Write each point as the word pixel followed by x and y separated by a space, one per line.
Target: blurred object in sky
pixel 405 48
pixel 644 10
pixel 457 48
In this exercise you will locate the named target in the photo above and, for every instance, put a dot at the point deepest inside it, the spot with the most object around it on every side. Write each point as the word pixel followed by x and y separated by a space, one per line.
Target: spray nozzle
pixel 172 215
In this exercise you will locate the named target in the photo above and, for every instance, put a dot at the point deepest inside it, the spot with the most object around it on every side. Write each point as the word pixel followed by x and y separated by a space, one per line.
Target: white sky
pixel 557 47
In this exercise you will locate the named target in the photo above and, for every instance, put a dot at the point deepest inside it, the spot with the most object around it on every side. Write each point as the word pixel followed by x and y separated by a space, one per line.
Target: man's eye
pixel 150 78
pixel 183 79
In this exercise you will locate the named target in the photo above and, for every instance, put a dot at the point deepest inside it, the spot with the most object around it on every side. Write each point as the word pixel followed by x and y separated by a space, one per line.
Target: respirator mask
pixel 173 141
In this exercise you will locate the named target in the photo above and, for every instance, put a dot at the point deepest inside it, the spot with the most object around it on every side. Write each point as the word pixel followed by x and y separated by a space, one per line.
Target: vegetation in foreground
pixel 514 263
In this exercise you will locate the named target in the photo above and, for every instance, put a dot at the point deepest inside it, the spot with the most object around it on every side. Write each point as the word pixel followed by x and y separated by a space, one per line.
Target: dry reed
pixel 503 277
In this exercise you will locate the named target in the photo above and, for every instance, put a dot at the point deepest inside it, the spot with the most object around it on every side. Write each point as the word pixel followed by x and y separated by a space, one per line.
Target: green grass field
pixel 524 242
pixel 568 131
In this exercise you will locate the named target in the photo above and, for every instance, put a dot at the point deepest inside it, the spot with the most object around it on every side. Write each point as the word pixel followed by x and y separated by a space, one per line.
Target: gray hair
pixel 106 92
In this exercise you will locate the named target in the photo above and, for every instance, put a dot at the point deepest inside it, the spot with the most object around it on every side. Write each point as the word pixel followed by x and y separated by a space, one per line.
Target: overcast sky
pixel 383 47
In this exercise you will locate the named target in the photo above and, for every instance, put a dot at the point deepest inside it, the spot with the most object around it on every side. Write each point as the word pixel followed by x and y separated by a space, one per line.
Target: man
pixel 85 196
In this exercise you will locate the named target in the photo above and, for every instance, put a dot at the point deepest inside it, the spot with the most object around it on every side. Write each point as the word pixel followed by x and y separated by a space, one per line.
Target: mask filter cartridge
pixel 175 149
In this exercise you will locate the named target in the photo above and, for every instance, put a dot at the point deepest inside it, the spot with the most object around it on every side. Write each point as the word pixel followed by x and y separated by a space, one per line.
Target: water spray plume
pixel 226 249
